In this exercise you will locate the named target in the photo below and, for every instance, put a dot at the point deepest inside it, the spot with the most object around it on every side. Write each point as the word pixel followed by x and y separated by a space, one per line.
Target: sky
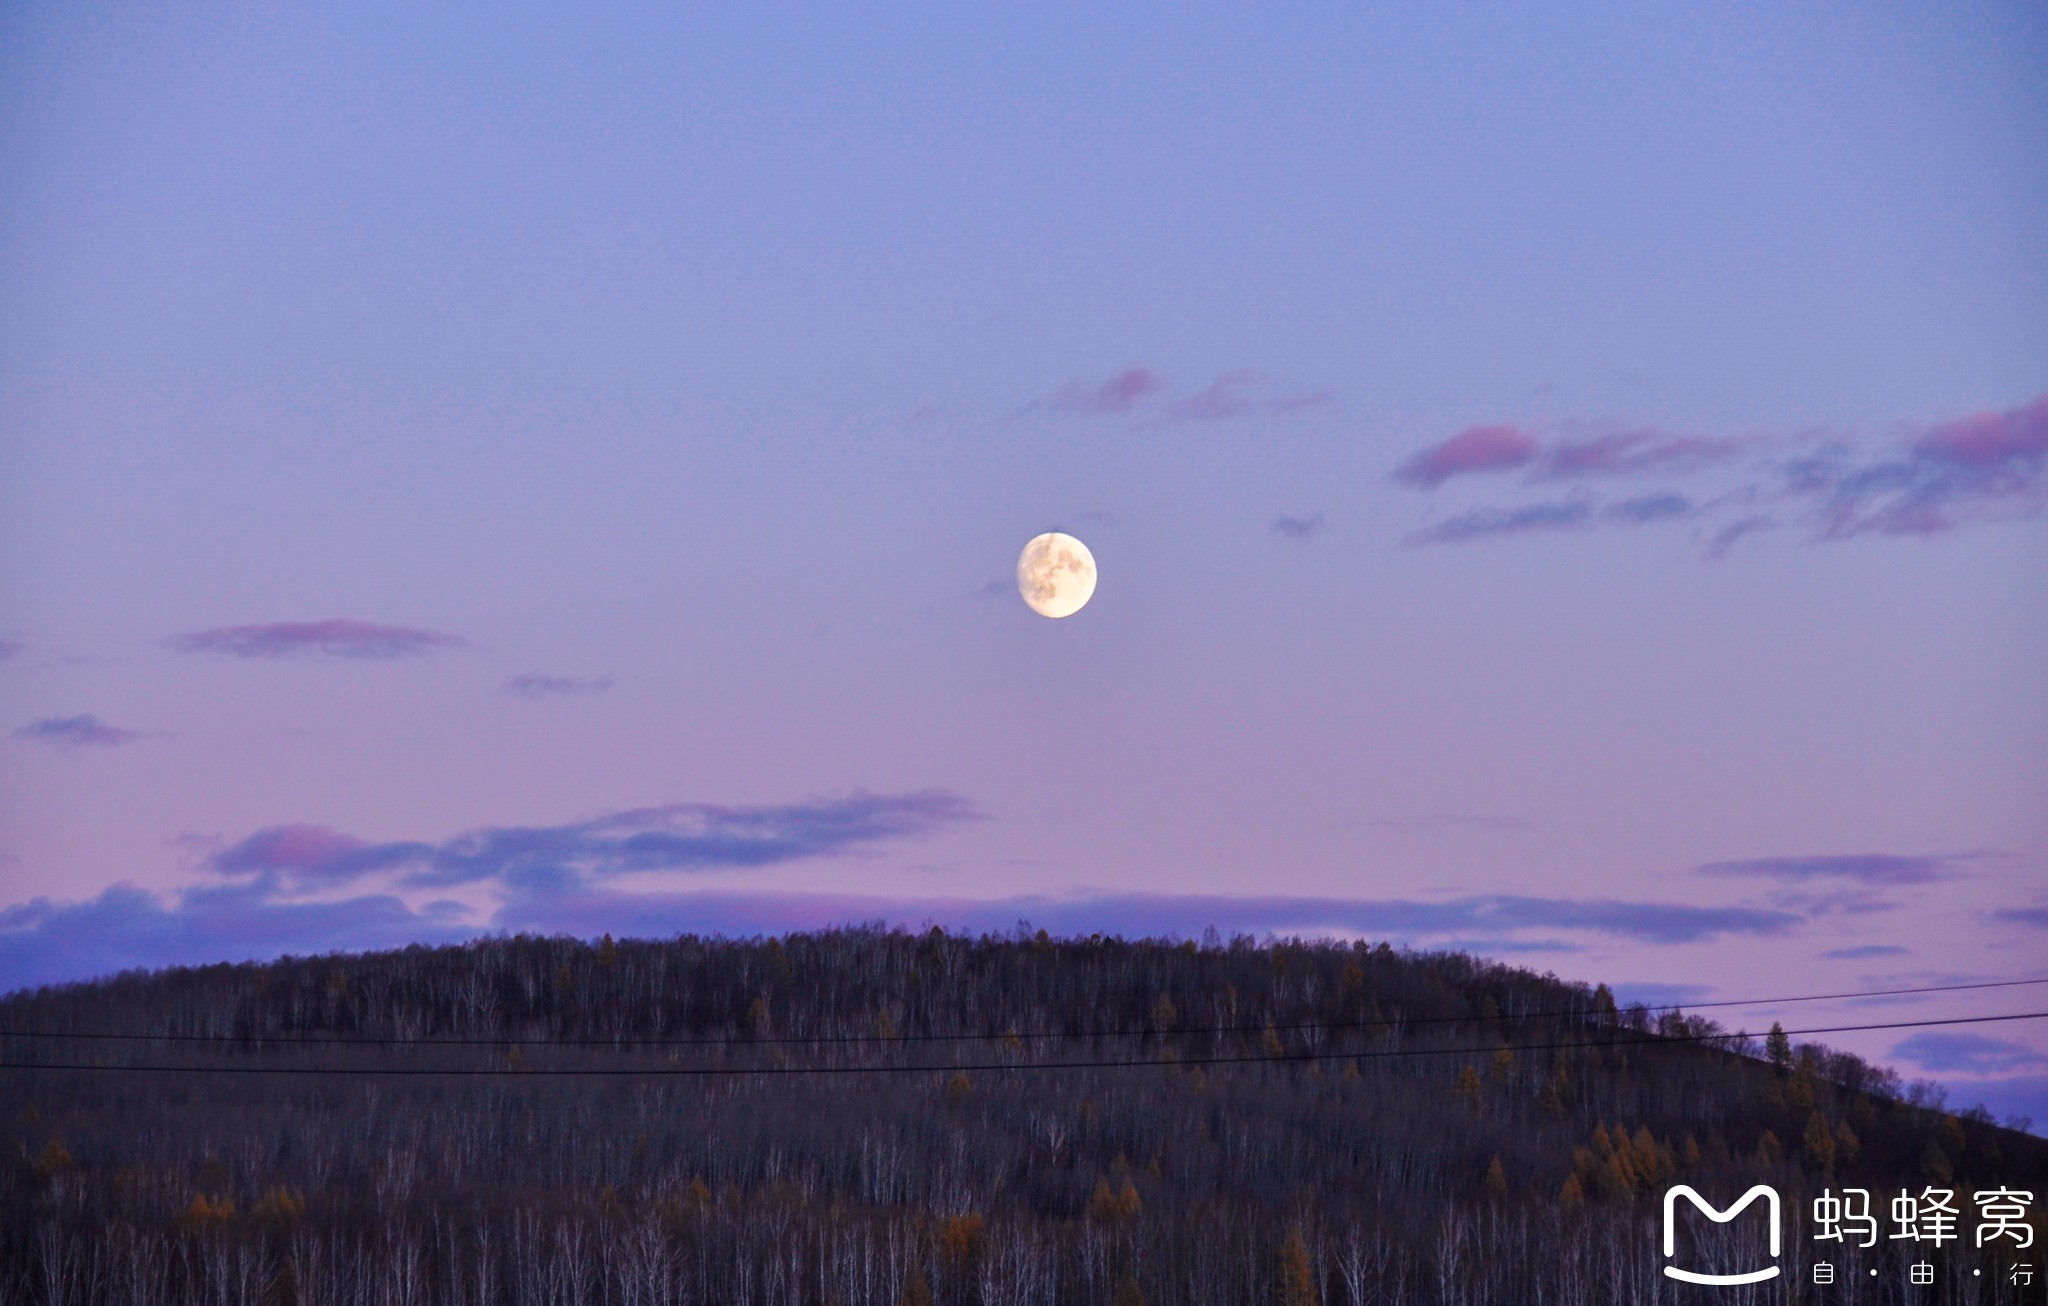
pixel 1567 485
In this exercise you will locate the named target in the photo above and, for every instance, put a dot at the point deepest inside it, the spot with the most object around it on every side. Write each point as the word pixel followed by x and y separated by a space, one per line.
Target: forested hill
pixel 871 1116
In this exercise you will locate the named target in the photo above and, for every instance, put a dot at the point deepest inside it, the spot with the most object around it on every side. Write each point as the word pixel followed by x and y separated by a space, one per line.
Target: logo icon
pixel 1765 1191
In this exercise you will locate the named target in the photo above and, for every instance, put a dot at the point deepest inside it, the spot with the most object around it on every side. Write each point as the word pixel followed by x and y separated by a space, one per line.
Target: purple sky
pixel 1568 485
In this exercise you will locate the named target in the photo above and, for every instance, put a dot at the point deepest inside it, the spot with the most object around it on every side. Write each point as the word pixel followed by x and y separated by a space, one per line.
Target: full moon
pixel 1056 575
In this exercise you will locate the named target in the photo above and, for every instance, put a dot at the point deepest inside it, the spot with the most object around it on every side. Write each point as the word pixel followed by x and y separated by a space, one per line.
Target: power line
pixel 1647 1040
pixel 329 1040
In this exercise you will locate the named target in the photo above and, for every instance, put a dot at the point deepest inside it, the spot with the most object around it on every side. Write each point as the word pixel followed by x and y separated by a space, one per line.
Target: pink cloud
pixel 1988 466
pixel 1241 394
pixel 335 637
pixel 1474 449
pixel 301 848
pixel 1989 441
pixel 1119 394
pixel 1626 453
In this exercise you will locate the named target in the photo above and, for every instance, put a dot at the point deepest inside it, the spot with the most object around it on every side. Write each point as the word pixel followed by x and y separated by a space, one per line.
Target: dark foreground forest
pixel 1307 1123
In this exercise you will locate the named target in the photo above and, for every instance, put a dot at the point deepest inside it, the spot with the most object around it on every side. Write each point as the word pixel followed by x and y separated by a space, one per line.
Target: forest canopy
pixel 873 1115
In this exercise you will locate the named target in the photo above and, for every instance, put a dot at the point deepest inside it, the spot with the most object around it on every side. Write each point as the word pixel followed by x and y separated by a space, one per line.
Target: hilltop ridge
pixel 866 1115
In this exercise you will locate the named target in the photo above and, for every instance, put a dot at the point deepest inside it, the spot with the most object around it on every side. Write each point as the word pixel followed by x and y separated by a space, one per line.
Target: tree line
pixel 1303 1122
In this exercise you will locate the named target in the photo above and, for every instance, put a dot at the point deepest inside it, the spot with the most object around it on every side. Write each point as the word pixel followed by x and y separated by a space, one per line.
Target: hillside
pixel 1307 1123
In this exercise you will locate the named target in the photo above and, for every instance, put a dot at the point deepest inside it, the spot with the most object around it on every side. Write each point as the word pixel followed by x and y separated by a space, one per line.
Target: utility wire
pixel 1647 1040
pixel 329 1040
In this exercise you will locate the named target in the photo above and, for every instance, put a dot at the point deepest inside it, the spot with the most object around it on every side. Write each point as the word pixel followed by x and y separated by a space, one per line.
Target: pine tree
pixel 1778 1048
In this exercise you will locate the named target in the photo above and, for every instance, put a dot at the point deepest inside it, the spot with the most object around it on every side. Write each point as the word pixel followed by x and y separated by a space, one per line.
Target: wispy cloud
pixel 1647 508
pixel 1865 952
pixel 1635 453
pixel 1887 869
pixel 1243 394
pixel 1930 480
pixel 336 637
pixel 1119 394
pixel 1296 528
pixel 1971 1054
pixel 83 731
pixel 1531 519
pixel 1727 537
pixel 245 918
pixel 2016 439
pixel 692 837
pixel 2032 917
pixel 1231 395
pixel 1474 449
pixel 533 684
pixel 1987 464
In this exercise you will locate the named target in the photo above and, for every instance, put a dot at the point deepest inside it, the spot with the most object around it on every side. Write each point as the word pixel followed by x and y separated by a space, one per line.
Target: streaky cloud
pixel 83 731
pixel 1954 1052
pixel 1119 394
pixel 1863 868
pixel 1725 539
pixel 335 637
pixel 1297 528
pixel 1933 480
pixel 1866 952
pixel 1488 523
pixel 691 837
pixel 2031 917
pixel 1474 449
pixel 1648 508
pixel 2014 439
pixel 1987 465
pixel 1243 394
pixel 1636 453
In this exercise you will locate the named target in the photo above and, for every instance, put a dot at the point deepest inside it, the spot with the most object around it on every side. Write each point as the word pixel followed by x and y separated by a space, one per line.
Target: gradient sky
pixel 1567 484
